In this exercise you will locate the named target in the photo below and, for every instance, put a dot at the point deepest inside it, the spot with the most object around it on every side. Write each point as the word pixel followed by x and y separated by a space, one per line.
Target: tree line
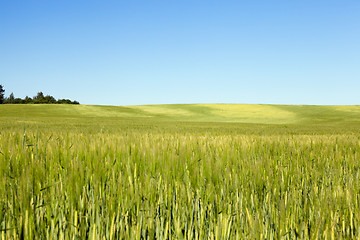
pixel 40 98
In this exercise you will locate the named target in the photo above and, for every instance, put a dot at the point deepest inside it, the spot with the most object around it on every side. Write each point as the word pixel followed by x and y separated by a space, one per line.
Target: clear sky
pixel 182 51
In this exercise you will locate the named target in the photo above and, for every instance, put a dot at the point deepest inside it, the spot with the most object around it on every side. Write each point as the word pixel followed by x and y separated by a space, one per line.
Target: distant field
pixel 236 113
pixel 197 171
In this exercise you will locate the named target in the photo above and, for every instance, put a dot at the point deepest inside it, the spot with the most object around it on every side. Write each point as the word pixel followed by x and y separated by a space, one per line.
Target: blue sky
pixel 182 51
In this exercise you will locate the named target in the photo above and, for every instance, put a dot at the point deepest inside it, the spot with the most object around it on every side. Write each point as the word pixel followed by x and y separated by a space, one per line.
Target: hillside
pixel 231 113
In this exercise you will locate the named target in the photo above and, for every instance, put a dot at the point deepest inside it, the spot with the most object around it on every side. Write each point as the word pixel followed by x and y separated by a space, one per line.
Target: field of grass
pixel 200 171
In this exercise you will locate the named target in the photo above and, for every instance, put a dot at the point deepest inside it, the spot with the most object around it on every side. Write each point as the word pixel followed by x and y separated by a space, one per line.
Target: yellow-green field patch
pixel 163 110
pixel 253 113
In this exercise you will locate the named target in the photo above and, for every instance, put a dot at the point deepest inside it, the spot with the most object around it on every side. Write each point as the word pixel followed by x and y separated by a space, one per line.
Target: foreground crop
pixel 194 185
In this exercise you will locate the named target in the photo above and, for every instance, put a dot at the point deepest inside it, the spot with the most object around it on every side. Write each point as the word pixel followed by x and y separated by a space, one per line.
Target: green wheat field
pixel 197 171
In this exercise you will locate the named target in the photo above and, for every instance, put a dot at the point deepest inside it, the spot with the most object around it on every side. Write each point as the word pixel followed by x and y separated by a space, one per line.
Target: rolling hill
pixel 230 113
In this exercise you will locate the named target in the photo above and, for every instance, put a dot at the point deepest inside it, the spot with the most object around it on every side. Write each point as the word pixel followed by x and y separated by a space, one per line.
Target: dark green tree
pixel 39 98
pixel 10 99
pixel 49 99
pixel 28 99
pixel 2 93
pixel 18 101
